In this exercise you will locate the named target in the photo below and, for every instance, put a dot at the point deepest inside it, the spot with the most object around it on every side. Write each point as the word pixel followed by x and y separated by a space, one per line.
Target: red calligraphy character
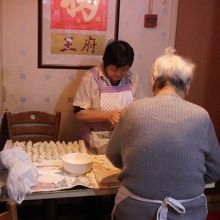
pixel 89 45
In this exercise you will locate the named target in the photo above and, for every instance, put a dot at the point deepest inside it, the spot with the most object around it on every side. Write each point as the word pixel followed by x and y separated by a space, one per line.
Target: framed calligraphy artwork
pixel 72 34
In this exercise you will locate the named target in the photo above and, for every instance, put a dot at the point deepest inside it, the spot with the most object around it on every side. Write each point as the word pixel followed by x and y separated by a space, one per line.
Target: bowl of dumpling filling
pixel 77 163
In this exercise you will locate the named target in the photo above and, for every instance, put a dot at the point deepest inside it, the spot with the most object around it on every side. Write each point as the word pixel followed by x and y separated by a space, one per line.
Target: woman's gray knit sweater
pixel 165 146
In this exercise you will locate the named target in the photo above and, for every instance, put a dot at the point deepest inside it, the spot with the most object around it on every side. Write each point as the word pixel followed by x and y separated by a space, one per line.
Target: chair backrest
pixel 11 213
pixel 33 125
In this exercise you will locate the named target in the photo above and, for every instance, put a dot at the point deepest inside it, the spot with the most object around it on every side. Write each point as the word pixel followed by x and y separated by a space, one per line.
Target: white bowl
pixel 77 163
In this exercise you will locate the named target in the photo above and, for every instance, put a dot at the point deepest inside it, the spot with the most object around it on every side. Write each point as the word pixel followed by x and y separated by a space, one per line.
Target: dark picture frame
pixel 68 60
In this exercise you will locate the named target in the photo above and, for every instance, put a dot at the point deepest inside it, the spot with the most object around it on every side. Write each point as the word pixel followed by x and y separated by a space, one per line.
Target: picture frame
pixel 73 35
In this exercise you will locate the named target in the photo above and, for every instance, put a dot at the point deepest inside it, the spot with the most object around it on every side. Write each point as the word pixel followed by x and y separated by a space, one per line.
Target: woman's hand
pixel 113 117
pixel 92 116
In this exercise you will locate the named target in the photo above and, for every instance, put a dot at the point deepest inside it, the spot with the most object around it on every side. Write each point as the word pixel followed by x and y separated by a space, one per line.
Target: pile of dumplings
pixel 40 151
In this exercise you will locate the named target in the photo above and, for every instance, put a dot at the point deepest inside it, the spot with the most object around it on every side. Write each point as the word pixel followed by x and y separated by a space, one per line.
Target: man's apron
pixel 162 211
pixel 111 98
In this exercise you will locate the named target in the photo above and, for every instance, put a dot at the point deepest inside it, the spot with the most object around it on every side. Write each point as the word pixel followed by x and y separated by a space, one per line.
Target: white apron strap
pixel 162 211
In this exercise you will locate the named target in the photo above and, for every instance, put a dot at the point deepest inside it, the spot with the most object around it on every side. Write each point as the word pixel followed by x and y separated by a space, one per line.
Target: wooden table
pixel 51 197
pixel 70 193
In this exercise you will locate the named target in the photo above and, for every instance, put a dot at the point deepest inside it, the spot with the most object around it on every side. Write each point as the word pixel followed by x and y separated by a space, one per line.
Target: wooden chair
pixel 33 125
pixel 11 213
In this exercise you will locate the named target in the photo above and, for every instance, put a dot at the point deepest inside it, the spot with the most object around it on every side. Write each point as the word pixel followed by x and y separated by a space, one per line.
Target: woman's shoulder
pixel 145 101
pixel 133 77
pixel 197 107
pixel 94 71
pixel 89 74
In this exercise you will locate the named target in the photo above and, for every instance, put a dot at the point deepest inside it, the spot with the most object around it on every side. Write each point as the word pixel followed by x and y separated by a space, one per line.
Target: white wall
pixel 148 43
pixel 27 87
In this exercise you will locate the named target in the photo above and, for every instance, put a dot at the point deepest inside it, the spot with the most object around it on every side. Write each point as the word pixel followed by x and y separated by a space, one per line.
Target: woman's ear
pixel 152 80
pixel 187 89
pixel 153 88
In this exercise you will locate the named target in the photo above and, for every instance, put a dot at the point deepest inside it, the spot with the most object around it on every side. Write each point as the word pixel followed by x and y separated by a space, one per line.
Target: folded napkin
pixel 22 175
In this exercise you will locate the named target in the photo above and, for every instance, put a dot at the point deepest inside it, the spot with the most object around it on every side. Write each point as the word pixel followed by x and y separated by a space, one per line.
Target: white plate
pixel 48 170
pixel 50 178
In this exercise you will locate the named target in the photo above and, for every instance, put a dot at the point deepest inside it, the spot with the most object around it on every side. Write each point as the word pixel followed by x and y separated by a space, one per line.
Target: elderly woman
pixel 167 149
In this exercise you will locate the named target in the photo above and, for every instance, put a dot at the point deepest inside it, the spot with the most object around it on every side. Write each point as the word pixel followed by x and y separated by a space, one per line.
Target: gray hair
pixel 173 69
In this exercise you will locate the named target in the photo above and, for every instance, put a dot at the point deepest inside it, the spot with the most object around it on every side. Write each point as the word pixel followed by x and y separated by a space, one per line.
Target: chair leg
pixel 12 208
